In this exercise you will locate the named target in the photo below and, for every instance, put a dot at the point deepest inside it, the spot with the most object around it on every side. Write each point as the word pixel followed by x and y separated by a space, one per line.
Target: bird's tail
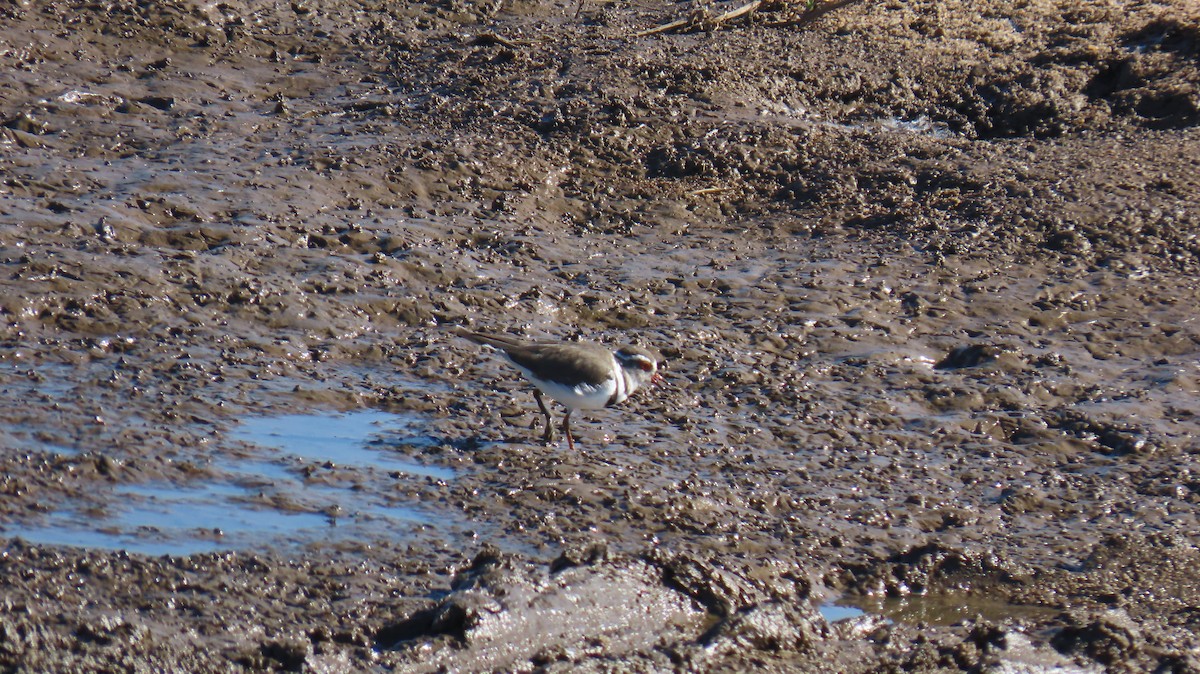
pixel 502 342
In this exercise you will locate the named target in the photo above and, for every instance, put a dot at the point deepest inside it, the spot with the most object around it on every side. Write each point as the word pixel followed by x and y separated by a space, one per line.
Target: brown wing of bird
pixel 565 363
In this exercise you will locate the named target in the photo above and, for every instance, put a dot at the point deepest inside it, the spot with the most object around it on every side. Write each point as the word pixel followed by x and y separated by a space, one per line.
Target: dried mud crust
pixel 924 273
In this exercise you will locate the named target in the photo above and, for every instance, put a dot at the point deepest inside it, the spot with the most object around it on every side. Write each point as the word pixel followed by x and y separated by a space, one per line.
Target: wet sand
pixel 924 276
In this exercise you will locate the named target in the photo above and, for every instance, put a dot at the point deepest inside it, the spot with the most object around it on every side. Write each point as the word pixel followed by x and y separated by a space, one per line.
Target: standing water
pixel 302 478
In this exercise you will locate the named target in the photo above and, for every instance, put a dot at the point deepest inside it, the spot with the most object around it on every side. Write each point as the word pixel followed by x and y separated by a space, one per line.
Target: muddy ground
pixel 925 274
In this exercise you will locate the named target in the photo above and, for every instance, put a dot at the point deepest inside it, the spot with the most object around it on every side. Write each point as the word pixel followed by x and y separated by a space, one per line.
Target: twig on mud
pixel 710 190
pixel 812 10
pixel 678 23
pixel 696 20
pixel 744 9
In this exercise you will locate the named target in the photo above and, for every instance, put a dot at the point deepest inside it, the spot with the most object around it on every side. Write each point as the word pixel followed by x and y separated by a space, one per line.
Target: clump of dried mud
pixel 924 274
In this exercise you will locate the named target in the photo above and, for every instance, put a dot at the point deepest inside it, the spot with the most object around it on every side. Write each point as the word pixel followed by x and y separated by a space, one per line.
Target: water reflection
pixel 262 496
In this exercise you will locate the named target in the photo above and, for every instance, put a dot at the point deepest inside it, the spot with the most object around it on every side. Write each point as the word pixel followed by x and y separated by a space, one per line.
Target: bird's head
pixel 640 363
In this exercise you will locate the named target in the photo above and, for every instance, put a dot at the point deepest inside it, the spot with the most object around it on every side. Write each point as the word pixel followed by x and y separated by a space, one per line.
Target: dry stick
pixel 727 16
pixel 733 14
pixel 663 28
pixel 710 190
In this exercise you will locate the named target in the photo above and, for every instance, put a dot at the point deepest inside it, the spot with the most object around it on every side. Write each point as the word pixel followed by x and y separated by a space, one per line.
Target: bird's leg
pixel 567 430
pixel 548 436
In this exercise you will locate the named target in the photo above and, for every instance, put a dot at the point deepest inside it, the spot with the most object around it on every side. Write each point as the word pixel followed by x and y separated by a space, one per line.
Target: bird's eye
pixel 646 365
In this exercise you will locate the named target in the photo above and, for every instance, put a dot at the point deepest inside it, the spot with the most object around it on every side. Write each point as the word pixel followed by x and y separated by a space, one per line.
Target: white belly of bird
pixel 581 396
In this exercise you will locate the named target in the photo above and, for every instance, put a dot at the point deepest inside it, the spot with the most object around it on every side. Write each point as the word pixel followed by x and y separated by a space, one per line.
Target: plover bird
pixel 577 374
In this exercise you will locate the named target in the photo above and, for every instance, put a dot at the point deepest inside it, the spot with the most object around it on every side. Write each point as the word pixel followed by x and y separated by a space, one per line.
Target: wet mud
pixel 924 276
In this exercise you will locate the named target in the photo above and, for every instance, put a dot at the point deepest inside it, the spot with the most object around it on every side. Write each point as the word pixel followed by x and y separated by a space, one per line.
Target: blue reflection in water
pixel 360 439
pixel 263 499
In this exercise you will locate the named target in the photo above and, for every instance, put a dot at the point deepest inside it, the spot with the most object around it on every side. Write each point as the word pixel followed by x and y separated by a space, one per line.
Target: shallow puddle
pixel 165 519
pixel 934 609
pixel 835 612
pixel 364 439
pixel 266 495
